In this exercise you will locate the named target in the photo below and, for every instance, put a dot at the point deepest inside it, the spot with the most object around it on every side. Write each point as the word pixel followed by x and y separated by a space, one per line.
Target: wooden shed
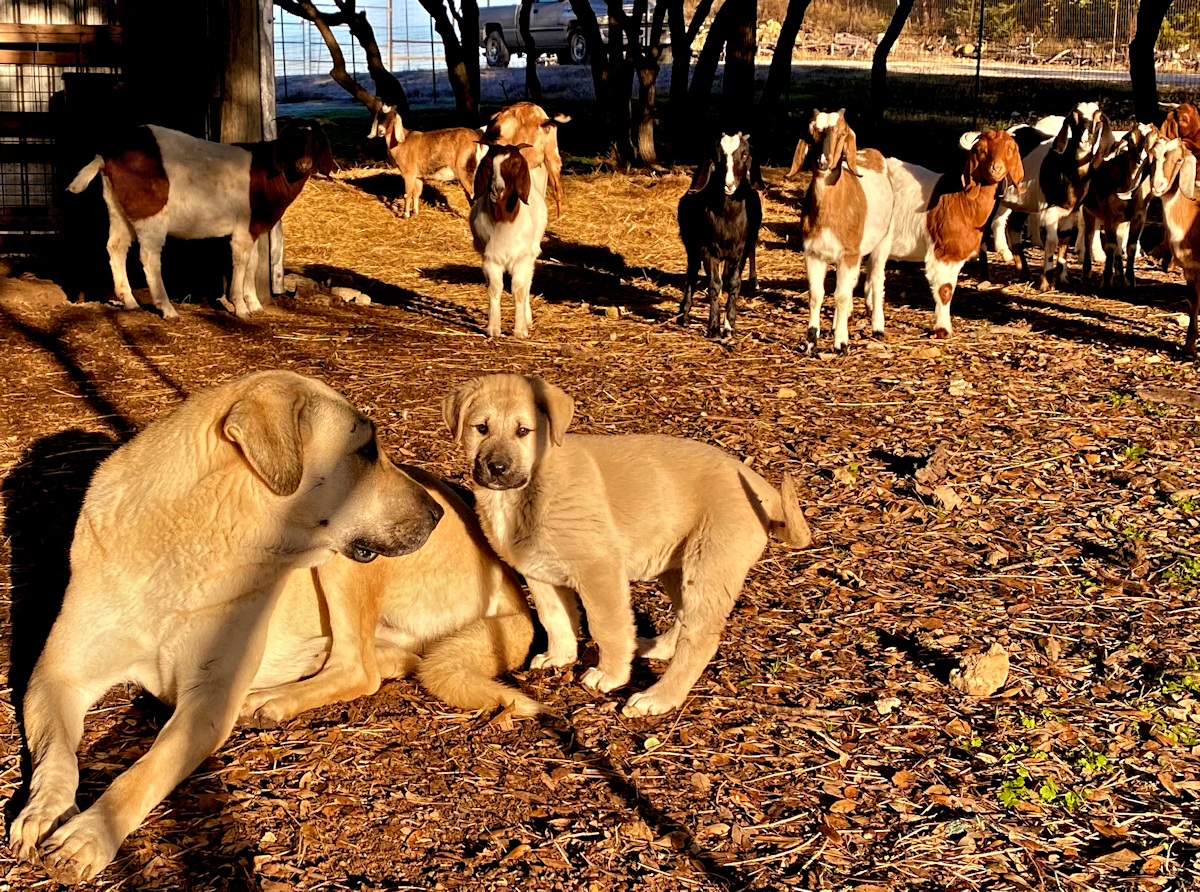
pixel 74 70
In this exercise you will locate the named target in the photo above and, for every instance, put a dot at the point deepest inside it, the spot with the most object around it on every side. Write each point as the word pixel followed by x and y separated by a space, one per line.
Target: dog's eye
pixel 482 428
pixel 523 431
pixel 369 451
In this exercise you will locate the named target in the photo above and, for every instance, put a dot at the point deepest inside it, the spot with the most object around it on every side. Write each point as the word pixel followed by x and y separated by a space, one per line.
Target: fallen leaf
pixel 981 675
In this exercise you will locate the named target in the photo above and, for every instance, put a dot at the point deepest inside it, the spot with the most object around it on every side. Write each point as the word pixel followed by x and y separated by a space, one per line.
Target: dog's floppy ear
pixel 556 404
pixel 265 425
pixel 454 408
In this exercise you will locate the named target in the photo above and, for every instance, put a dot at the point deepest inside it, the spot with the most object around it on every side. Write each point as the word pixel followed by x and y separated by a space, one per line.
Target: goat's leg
pixel 241 246
pixel 1090 225
pixel 1132 249
pixel 873 292
pixel 752 282
pixel 1189 346
pixel 942 279
pixel 713 268
pixel 816 270
pixel 843 300
pixel 522 281
pixel 250 287
pixel 493 275
pixel 733 288
pixel 689 286
pixel 120 238
pixel 1048 223
pixel 410 185
pixel 1000 233
pixel 416 206
pixel 151 254
pixel 1117 244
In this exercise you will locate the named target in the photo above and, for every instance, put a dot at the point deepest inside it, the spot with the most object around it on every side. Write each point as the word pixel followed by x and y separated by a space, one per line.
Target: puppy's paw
pixel 264 710
pixel 599 680
pixel 41 816
pixel 646 703
pixel 79 849
pixel 552 660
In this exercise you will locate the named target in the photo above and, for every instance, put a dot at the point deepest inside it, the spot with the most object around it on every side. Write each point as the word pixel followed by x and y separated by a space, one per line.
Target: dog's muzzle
pixel 498 473
pixel 403 538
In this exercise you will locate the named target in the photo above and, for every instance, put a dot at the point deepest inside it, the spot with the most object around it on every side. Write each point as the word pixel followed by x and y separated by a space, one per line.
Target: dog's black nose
pixel 497 468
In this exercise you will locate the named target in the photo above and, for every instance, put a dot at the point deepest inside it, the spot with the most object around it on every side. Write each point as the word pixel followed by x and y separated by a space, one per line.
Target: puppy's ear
pixel 559 407
pixel 454 408
pixel 265 425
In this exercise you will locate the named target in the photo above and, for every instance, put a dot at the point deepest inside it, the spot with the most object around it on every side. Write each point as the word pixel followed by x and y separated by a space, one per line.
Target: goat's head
pixel 993 158
pixel 522 122
pixel 387 124
pixel 1172 165
pixel 1182 122
pixel 732 161
pixel 1136 146
pixel 300 147
pixel 503 179
pixel 830 142
pixel 1086 132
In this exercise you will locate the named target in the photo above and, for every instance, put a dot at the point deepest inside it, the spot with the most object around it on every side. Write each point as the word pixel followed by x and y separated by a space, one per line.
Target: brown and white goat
pixel 508 220
pixel 938 219
pixel 1173 179
pixel 846 215
pixel 529 124
pixel 159 183
pixel 1183 123
pixel 1116 205
pixel 442 155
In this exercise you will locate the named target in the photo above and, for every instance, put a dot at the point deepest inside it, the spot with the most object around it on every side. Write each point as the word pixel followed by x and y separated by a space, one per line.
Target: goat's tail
pixel 86 175
pixel 793 529
pixel 461 669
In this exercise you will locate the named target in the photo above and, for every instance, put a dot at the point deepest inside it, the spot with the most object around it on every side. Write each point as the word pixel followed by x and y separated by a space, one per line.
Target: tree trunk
pixel 621 66
pixel 682 39
pixel 1150 17
pixel 647 71
pixel 879 64
pixel 602 75
pixel 460 58
pixel 700 91
pixel 737 91
pixel 780 74
pixel 388 89
pixel 533 86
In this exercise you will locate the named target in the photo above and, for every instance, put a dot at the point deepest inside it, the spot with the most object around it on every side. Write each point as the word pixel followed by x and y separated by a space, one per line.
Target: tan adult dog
pixel 589 514
pixel 184 541
pixel 451 613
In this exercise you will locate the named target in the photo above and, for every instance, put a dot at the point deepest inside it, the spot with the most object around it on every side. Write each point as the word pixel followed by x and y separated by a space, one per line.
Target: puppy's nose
pixel 497 468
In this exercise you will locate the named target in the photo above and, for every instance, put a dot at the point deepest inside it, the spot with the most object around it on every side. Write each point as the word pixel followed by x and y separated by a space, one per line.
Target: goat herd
pixel 1064 173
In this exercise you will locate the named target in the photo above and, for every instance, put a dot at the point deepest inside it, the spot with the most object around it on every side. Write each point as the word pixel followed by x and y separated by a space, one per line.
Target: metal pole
pixel 432 61
pixel 1112 53
pixel 978 65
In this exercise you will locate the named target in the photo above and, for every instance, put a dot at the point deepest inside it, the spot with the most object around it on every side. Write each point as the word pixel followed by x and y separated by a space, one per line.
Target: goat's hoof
pixel 170 315
pixel 493 334
pixel 843 349
pixel 879 334
pixel 1043 286
pixel 941 333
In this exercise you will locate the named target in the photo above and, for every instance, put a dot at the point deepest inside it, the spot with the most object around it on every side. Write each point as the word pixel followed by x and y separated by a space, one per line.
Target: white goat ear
pixel 1187 176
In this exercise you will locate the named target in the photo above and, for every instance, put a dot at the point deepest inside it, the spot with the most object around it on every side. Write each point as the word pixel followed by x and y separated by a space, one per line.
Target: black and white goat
pixel 1116 204
pixel 508 220
pixel 159 183
pixel 719 218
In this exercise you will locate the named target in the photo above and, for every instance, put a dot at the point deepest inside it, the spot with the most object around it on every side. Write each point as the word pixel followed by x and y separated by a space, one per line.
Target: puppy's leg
pixel 662 647
pixel 559 614
pixel 604 591
pixel 394 661
pixel 54 707
pixel 229 648
pixel 714 570
pixel 493 275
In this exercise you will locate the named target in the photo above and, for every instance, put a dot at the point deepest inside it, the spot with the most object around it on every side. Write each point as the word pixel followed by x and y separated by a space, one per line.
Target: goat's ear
pixel 1015 167
pixel 455 405
pixel 265 425
pixel 523 185
pixel 556 404
pixel 1187 176
pixel 324 161
pixel 702 175
pixel 483 171
pixel 1170 126
pixel 850 152
pixel 798 159
pixel 1064 135
pixel 756 177
pixel 970 168
pixel 1104 144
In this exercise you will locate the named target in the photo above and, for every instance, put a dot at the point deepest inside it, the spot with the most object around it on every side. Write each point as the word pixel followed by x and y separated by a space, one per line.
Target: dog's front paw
pixel 37 820
pixel 599 680
pixel 79 849
pixel 646 703
pixel 264 710
pixel 552 660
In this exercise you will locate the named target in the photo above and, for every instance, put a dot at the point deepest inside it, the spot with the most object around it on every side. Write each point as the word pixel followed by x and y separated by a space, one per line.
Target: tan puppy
pixel 185 538
pixel 589 514
pixel 350 625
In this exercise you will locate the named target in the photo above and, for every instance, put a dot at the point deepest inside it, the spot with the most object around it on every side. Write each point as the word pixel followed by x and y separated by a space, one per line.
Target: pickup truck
pixel 553 25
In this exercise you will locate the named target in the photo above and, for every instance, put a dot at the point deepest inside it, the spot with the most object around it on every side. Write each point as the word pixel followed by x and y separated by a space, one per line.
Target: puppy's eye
pixel 369 451
pixel 523 431
pixel 482 428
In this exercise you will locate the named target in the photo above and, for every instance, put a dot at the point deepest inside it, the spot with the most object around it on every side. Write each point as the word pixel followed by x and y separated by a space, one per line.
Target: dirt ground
pixel 1032 481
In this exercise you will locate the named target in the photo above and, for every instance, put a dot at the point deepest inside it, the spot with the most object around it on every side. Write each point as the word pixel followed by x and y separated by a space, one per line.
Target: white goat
pixel 508 220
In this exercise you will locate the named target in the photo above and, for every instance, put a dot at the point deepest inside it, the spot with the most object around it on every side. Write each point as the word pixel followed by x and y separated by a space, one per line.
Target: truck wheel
pixel 577 48
pixel 496 51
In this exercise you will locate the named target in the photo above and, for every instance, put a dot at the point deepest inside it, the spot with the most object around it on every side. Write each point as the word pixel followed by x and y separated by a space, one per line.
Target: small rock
pixel 927 353
pixel 362 301
pixel 981 675
pixel 786 393
pixel 612 312
pixel 946 497
pixel 1183 320
pixel 886 705
pixel 349 295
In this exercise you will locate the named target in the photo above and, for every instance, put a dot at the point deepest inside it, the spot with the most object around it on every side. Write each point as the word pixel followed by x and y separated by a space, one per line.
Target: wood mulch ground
pixel 1032 481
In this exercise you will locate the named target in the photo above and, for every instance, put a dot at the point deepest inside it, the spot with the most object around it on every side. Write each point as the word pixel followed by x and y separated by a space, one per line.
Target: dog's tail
pixel 461 669
pixel 86 175
pixel 792 529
